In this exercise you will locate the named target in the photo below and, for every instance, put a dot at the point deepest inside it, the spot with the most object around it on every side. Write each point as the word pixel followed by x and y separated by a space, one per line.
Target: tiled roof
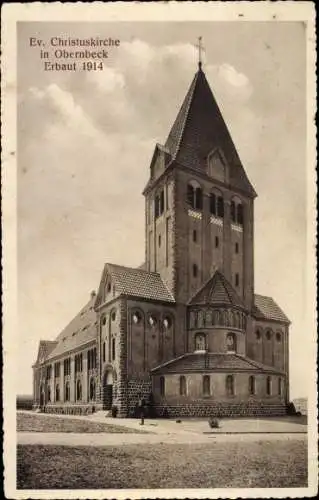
pixel 266 308
pixel 139 283
pixel 201 361
pixel 199 128
pixel 216 291
pixel 80 331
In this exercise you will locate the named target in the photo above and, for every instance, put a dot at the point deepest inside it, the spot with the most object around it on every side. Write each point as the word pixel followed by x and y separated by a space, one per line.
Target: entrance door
pixel 107 390
pixel 107 397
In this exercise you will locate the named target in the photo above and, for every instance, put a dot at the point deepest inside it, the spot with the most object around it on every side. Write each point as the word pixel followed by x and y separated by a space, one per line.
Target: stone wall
pixel 206 408
pixel 136 388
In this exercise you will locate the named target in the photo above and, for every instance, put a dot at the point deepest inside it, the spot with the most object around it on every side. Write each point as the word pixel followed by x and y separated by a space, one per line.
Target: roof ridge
pixel 172 361
pixel 191 90
pixel 133 268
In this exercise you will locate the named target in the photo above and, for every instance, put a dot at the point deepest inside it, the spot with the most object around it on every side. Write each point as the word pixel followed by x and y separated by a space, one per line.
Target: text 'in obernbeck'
pixel 61 53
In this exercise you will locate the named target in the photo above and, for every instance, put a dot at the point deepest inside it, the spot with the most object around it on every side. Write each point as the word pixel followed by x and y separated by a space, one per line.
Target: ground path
pixel 170 431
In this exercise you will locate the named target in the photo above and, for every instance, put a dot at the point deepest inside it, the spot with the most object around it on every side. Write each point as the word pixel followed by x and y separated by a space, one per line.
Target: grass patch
pixel 33 422
pixel 263 464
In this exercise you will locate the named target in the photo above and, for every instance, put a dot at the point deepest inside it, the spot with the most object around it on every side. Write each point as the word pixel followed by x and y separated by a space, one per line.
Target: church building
pixel 186 330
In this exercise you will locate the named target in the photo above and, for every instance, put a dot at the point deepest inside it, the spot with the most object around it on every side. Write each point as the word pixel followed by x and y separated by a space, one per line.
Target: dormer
pixel 217 167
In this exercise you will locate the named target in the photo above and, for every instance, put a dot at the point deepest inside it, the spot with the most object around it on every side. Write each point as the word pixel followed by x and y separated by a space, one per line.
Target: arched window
pixel 252 385
pixel 57 392
pixel 195 195
pixel 104 352
pixel 237 211
pixel 217 204
pixel 279 386
pixel 92 389
pixel 200 342
pixel 78 390
pixel 268 335
pixel 67 391
pixel 230 390
pixel 206 385
pixel 231 342
pixel 167 322
pixel 258 334
pixel 182 385
pixel 136 317
pixel 49 394
pixel 268 386
pixel 278 337
pixel 152 320
pixel 162 386
pixel 240 214
pixel 159 203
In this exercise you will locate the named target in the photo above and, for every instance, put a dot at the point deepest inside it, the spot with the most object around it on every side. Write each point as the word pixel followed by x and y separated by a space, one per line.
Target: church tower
pixel 199 202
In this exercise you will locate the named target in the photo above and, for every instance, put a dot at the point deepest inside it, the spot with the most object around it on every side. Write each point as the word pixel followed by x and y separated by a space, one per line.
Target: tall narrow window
pixel 195 270
pixel 113 349
pixel 233 211
pixel 159 240
pixel 57 392
pixel 236 279
pixel 251 384
pixel 236 248
pixel 194 235
pixel 216 242
pixel 162 386
pixel 67 391
pixel 92 389
pixel 182 386
pixel 195 195
pixel 78 390
pixel 206 385
pixel 231 342
pixel 268 386
pixel 279 386
pixel 200 342
pixel 230 391
pixel 213 204
pixel 199 198
pixel 220 206
pixel 104 351
pixel 240 214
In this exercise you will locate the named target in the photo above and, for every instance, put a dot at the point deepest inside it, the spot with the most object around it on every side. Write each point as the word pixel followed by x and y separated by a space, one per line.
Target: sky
pixel 85 141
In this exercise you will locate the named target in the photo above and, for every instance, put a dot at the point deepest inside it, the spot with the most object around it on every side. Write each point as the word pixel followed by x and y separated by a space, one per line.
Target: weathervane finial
pixel 201 49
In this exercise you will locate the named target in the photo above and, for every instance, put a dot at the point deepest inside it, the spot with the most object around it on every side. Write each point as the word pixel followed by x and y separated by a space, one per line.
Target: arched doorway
pixel 107 389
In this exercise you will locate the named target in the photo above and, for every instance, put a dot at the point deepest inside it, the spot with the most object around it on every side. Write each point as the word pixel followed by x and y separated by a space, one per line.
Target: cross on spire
pixel 201 49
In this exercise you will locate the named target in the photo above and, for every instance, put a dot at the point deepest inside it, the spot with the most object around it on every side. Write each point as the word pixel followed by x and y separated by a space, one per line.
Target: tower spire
pixel 201 49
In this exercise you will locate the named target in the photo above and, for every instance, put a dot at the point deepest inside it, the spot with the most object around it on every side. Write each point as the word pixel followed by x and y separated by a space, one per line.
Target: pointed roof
pixel 212 361
pixel 199 129
pixel 217 291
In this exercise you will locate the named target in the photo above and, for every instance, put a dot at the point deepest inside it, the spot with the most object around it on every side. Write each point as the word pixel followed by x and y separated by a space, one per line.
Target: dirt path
pixel 103 439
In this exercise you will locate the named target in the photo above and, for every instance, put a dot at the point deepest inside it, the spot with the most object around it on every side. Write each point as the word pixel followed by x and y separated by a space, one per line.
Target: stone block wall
pixel 137 387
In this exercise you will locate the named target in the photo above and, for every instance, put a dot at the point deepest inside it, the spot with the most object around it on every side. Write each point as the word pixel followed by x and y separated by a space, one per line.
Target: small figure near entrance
pixel 141 407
